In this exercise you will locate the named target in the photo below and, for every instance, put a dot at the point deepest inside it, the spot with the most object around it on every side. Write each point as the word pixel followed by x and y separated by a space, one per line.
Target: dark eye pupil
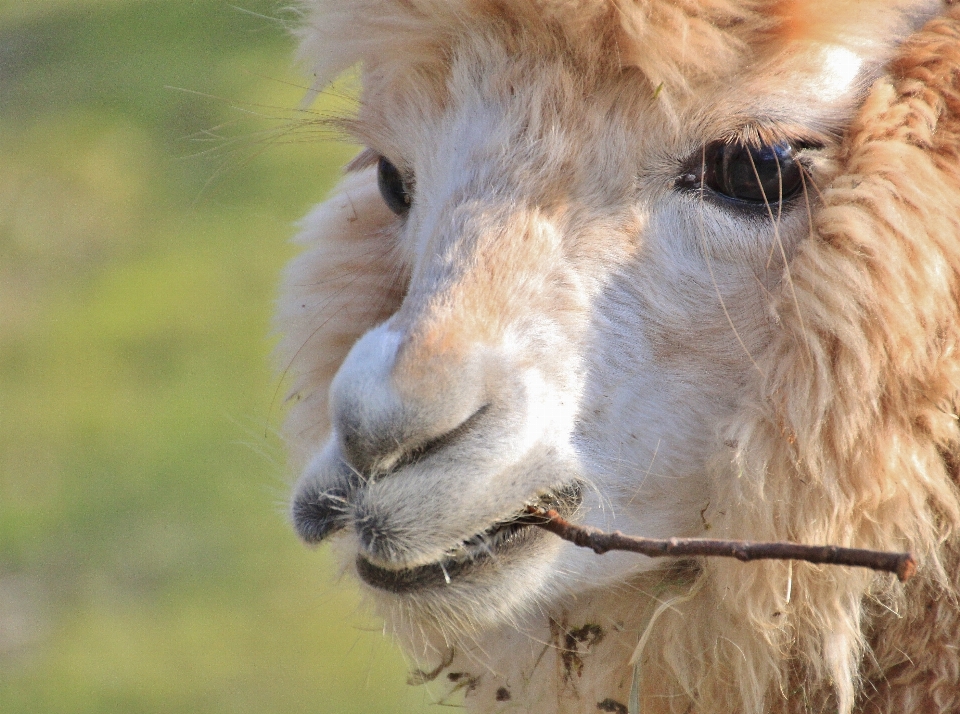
pixel 761 174
pixel 392 187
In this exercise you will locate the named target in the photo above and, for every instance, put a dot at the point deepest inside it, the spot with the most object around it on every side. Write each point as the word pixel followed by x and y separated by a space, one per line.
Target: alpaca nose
pixel 397 397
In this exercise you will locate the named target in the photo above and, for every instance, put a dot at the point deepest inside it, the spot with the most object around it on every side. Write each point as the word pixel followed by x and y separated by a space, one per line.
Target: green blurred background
pixel 149 182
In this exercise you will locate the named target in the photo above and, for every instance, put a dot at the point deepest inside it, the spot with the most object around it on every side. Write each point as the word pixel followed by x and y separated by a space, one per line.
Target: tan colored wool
pixel 843 430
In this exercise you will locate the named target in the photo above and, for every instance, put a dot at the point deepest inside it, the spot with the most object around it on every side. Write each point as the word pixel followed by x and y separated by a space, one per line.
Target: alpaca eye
pixel 392 187
pixel 743 175
pixel 753 174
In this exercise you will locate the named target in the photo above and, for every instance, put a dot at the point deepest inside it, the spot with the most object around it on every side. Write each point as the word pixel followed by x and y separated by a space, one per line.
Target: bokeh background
pixel 150 178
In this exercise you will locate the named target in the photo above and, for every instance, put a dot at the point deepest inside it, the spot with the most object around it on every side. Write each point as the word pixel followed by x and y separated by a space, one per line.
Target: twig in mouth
pixel 903 564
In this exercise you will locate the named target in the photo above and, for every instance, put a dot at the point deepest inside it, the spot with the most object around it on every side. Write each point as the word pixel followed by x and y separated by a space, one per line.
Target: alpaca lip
pixel 475 553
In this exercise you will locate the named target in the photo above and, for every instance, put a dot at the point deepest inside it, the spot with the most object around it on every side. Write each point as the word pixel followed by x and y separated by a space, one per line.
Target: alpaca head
pixel 563 272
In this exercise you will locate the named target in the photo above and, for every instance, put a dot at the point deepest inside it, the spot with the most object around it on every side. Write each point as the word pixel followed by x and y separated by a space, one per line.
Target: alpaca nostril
pixel 388 452
pixel 317 514
pixel 419 452
pixel 369 450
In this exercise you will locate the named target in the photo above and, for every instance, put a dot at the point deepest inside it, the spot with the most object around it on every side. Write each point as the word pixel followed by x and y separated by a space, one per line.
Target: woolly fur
pixel 842 429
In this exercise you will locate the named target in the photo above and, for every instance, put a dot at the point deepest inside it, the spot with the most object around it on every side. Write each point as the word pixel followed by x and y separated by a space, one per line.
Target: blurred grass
pixel 145 560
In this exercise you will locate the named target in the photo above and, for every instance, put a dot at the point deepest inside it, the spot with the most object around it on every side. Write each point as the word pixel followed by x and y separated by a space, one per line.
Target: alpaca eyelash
pixel 364 160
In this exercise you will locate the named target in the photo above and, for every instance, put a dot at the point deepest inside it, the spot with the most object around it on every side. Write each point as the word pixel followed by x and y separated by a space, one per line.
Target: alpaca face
pixel 576 267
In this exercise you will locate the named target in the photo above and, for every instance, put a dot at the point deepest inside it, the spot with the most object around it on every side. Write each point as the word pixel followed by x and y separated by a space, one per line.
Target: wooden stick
pixel 903 564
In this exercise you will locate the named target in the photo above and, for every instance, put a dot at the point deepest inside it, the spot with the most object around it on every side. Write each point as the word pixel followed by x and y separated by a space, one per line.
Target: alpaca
pixel 671 267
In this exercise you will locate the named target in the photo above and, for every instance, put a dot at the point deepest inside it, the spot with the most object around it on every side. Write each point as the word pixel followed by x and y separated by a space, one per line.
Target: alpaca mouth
pixel 481 551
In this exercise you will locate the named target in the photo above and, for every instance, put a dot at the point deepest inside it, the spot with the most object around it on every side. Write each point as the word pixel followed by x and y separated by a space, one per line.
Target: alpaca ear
pixel 850 435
